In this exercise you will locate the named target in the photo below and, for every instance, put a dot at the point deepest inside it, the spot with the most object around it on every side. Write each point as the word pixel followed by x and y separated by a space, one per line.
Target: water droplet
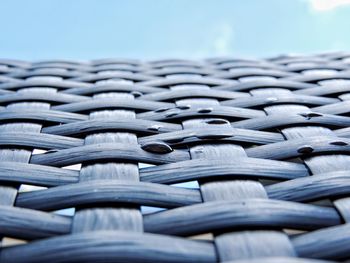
pixel 217 121
pixel 214 136
pixel 161 109
pixel 169 115
pixel 185 107
pixel 339 143
pixel 157 147
pixel 205 110
pixel 51 151
pixel 136 94
pixel 154 127
pixel 310 115
pixel 305 149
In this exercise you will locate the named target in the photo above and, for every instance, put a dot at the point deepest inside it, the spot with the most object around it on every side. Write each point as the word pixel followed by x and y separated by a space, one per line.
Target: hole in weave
pixel 65 212
pixel 266 182
pixel 295 160
pixel 9 241
pixel 322 202
pixel 217 121
pixel 205 110
pixel 293 232
pixel 38 151
pixel 338 143
pixel 204 237
pixel 346 113
pixel 145 210
pixel 75 167
pixel 190 184
pixel 30 188
pixel 145 165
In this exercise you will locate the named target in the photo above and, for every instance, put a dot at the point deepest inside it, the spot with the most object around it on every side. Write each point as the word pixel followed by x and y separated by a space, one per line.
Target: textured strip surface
pixel 219 160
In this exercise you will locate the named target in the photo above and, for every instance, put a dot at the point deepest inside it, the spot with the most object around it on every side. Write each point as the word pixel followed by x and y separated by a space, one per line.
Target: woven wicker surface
pixel 175 160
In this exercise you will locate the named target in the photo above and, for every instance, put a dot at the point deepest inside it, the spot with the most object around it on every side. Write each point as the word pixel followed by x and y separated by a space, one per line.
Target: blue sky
pixel 152 29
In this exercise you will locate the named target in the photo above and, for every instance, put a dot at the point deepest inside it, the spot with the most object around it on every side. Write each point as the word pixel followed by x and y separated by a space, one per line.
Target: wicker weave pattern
pixel 175 160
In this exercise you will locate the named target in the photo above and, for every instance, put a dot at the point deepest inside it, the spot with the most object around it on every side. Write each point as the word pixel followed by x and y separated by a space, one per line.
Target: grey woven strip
pixel 219 160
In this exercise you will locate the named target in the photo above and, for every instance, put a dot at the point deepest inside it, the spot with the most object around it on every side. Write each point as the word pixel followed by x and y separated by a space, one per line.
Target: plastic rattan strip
pixel 219 160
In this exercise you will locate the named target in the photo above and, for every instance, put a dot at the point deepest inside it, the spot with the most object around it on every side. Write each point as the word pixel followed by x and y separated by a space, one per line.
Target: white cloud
pixel 327 5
